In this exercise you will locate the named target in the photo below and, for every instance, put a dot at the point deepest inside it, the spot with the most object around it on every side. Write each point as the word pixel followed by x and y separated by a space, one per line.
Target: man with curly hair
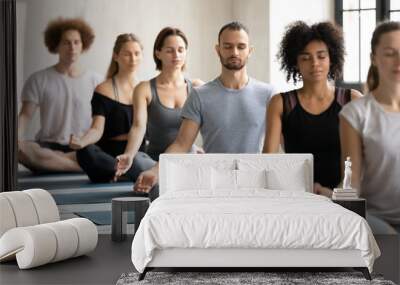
pixel 62 93
pixel 308 118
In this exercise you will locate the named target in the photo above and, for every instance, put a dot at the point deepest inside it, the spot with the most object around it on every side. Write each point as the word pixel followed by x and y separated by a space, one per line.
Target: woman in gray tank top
pixel 158 102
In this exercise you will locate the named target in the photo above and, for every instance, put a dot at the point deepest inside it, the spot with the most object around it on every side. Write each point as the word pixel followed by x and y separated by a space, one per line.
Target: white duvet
pixel 250 219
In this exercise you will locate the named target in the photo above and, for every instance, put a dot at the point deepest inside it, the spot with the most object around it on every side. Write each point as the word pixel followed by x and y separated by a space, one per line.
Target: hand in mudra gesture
pixel 75 142
pixel 146 180
pixel 123 163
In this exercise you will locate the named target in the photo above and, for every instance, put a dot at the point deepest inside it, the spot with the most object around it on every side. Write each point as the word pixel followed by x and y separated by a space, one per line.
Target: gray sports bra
pixel 163 123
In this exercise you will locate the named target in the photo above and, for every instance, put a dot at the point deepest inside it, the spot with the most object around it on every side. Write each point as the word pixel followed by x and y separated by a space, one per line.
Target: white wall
pixel 254 14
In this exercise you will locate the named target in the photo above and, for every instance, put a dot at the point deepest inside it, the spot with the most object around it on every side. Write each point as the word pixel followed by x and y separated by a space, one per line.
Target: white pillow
pixel 227 179
pixel 223 179
pixel 183 177
pixel 281 174
pixel 251 178
pixel 292 179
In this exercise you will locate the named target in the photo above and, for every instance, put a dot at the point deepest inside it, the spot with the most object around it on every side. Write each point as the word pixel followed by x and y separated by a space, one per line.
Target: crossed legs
pixel 38 158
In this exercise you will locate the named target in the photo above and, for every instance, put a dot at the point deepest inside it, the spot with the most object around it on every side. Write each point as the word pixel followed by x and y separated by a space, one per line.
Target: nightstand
pixel 357 205
pixel 120 207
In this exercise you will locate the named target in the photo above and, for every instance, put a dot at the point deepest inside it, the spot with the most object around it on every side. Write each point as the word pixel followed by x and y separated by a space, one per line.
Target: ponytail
pixel 372 78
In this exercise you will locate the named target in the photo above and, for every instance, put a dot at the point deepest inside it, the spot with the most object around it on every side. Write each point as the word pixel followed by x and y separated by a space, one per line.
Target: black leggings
pixel 98 161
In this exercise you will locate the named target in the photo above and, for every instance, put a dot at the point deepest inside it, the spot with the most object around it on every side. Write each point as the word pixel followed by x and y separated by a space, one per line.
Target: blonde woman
pixel 112 116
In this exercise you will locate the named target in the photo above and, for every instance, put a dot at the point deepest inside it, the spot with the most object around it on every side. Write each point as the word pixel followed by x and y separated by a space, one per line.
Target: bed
pixel 247 210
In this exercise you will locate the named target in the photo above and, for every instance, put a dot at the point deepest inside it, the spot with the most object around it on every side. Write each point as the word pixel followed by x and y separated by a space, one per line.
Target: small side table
pixel 120 207
pixel 357 205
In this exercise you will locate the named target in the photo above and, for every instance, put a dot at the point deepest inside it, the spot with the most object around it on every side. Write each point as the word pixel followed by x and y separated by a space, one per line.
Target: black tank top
pixel 118 116
pixel 317 134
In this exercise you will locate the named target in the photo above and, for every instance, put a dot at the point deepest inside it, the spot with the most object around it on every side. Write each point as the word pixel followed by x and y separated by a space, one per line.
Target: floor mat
pixel 250 278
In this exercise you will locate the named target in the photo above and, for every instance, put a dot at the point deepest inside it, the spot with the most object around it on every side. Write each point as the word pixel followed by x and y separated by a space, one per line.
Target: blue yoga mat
pixel 27 180
pixel 89 197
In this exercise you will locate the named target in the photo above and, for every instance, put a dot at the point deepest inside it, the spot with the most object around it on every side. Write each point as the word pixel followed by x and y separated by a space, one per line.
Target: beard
pixel 238 65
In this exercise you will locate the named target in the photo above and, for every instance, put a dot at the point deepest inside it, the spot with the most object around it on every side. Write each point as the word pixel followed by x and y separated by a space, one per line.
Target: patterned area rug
pixel 269 278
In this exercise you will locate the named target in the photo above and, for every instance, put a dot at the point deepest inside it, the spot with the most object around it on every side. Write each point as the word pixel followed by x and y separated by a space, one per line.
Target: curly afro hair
pixel 298 35
pixel 56 28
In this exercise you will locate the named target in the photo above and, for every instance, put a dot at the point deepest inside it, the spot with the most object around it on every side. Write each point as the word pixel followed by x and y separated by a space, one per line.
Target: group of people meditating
pixel 120 126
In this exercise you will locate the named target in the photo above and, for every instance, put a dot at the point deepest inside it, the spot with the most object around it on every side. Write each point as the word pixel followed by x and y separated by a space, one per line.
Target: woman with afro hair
pixel 306 120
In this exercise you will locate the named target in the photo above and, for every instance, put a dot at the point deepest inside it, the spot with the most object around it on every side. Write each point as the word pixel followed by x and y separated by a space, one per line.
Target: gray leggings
pixel 380 226
pixel 99 162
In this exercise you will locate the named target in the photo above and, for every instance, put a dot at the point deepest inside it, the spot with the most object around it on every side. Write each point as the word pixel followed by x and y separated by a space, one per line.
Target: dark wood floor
pixel 110 259
pixel 102 266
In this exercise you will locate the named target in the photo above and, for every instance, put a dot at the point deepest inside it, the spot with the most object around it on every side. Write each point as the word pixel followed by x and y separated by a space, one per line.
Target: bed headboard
pixel 285 170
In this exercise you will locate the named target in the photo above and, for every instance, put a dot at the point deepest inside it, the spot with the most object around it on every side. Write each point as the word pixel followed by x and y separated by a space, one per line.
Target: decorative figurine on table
pixel 347 174
pixel 347 192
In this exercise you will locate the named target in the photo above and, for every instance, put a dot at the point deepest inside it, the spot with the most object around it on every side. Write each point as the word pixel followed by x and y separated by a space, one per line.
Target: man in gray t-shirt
pixel 230 120
pixel 228 111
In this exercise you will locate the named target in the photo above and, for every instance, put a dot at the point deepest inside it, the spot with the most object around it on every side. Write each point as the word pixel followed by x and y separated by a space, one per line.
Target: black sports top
pixel 317 134
pixel 118 115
